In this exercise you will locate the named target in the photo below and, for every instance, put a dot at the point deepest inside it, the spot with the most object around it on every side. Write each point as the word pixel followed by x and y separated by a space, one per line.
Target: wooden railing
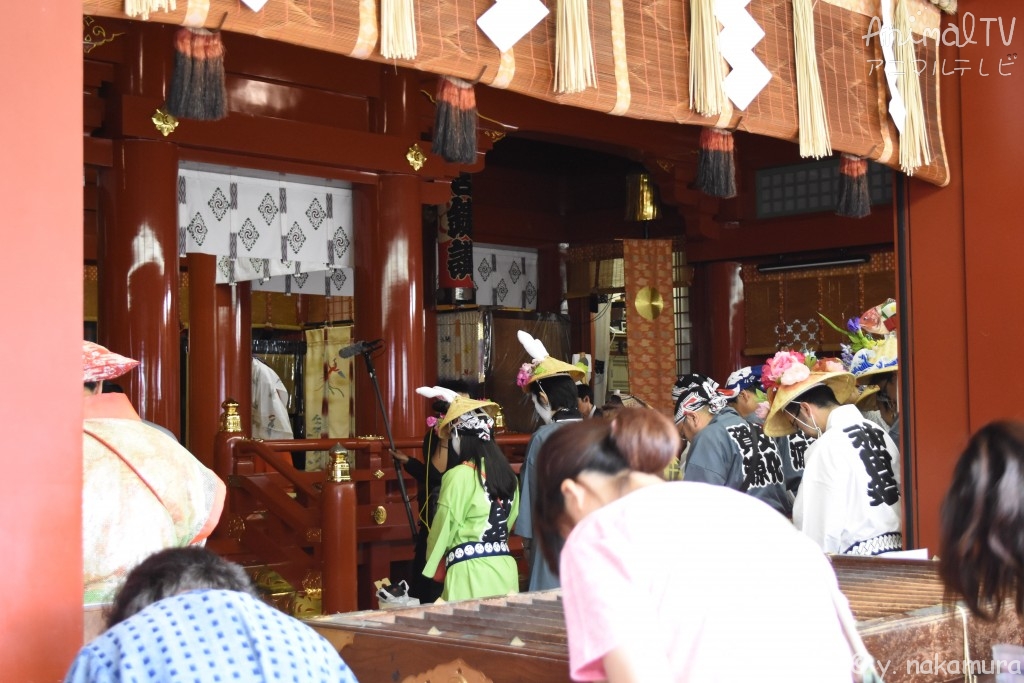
pixel 319 531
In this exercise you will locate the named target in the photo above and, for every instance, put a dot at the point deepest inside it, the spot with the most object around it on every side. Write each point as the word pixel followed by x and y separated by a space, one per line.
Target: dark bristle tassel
pixel 215 94
pixel 854 200
pixel 716 163
pixel 455 120
pixel 181 79
pixel 197 90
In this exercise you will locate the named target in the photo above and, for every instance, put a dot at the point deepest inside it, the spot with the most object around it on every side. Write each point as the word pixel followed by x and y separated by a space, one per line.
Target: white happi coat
pixel 849 499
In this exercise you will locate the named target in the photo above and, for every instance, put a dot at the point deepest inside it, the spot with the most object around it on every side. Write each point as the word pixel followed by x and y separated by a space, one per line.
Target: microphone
pixel 359 347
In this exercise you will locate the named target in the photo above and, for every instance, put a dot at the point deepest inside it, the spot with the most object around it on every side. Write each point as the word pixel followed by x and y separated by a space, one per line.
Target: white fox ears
pixel 534 347
pixel 437 392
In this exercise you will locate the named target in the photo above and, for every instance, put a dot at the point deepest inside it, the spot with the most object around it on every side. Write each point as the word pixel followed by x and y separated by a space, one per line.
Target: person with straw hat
pixel 551 384
pixel 849 498
pixel 871 355
pixel 142 491
pixel 725 449
pixel 467 546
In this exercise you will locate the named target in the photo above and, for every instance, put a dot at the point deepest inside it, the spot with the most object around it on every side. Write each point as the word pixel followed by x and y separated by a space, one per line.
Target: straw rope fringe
pixel 914 149
pixel 707 96
pixel 574 54
pixel 397 29
pixel 815 140
pixel 142 8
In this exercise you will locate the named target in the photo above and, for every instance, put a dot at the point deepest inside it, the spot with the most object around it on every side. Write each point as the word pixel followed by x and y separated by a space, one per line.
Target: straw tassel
pixel 914 149
pixel 197 90
pixel 716 163
pixel 814 136
pixel 455 120
pixel 854 200
pixel 574 54
pixel 142 8
pixel 707 97
pixel 397 29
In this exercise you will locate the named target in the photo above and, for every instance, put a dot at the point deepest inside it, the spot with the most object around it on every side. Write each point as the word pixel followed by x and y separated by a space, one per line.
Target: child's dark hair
pixel 487 457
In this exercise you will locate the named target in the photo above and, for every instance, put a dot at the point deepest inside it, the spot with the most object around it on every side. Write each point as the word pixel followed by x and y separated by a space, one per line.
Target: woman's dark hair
pixel 577 447
pixel 982 525
pixel 174 571
pixel 820 395
pixel 501 479
pixel 562 396
pixel 648 439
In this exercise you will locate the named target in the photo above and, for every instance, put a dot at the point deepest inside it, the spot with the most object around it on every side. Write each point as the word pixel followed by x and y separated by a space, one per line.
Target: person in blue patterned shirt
pixel 187 614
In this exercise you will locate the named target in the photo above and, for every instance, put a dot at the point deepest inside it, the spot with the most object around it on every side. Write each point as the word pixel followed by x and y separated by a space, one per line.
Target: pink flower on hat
pixel 525 373
pixel 431 422
pixel 775 370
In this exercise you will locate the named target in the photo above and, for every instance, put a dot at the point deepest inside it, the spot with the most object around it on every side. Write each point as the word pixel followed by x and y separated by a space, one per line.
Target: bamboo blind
pixel 657 48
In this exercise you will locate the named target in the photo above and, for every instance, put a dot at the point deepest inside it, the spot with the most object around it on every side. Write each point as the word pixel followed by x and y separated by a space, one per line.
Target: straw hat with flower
pixel 865 354
pixel 786 376
pixel 463 412
pixel 543 365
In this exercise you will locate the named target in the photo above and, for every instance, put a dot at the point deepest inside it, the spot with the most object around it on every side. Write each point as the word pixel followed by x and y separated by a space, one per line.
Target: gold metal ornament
pixel 230 420
pixel 313 584
pixel 95 35
pixel 648 303
pixel 340 469
pixel 379 474
pixel 380 515
pixel 416 157
pixel 165 123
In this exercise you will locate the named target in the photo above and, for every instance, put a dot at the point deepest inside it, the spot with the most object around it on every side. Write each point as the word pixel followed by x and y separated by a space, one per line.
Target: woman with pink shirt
pixel 681 581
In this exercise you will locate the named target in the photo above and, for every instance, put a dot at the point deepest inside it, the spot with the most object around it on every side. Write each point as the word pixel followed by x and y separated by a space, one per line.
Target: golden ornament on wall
pixel 648 303
pixel 165 123
pixel 416 157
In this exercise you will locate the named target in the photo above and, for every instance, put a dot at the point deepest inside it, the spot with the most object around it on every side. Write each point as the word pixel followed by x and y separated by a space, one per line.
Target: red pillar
pixel 390 280
pixel 725 296
pixel 219 354
pixel 41 277
pixel 138 268
pixel 932 247
pixel 390 275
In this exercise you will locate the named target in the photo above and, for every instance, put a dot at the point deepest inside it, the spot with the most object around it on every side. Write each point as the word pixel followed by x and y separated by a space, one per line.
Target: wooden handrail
pixel 273 511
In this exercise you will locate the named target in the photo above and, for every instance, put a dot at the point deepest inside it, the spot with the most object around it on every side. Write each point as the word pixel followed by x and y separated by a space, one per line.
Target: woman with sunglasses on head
pixel 732 593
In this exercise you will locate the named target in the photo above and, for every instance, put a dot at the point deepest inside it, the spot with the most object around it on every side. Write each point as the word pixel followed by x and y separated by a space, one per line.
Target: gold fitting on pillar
pixel 339 465
pixel 230 420
pixel 165 123
pixel 499 419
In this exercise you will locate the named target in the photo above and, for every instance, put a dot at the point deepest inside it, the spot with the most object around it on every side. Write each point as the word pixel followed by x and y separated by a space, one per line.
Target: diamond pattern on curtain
pixel 286 235
pixel 505 277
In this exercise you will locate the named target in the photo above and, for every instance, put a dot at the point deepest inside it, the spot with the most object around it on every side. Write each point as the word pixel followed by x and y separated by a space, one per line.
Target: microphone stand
pixel 391 440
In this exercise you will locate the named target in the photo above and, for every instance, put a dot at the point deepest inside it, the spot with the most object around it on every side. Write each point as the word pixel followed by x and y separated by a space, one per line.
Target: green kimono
pixel 468 524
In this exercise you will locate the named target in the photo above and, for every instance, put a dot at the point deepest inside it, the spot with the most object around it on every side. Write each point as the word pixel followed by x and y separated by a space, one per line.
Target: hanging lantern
pixel 455 246
pixel 641 197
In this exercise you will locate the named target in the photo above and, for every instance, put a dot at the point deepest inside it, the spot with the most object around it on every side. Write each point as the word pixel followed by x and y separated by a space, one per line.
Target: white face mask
pixel 543 411
pixel 813 427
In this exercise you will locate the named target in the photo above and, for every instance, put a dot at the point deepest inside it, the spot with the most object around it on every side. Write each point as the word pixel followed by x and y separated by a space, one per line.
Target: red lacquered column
pixel 219 354
pixel 389 280
pixel 138 274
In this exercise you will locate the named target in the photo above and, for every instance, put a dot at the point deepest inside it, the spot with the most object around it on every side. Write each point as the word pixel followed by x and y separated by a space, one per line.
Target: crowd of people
pixel 782 464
